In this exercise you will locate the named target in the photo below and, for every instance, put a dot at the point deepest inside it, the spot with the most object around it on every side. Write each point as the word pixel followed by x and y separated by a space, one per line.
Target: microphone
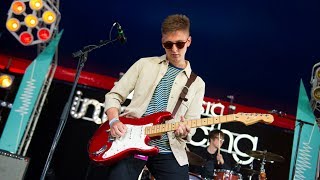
pixel 279 113
pixel 121 35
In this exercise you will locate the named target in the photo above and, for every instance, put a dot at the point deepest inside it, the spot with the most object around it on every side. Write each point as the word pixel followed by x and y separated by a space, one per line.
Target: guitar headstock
pixel 252 118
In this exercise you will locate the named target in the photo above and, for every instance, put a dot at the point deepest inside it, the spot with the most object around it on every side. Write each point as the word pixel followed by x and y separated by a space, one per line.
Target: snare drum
pixel 222 174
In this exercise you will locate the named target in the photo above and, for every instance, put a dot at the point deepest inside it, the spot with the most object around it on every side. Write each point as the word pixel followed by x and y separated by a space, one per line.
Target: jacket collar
pixel 187 70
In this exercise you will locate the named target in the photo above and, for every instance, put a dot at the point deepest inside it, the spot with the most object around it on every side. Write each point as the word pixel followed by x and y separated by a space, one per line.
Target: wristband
pixel 113 121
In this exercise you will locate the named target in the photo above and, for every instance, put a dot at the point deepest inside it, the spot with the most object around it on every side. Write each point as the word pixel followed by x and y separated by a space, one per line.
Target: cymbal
pixel 195 159
pixel 264 155
pixel 249 171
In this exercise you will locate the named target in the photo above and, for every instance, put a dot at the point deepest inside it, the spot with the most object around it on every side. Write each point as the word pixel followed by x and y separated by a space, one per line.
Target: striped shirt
pixel 159 102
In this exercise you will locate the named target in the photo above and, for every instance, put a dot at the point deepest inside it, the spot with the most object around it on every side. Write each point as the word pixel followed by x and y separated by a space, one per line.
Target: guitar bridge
pixel 101 150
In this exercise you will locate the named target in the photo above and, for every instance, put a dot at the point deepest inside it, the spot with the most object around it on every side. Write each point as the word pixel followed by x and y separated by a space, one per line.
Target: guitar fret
pixel 204 121
pixel 189 123
pixel 221 119
pixel 176 125
pixel 199 122
pixel 168 127
pixel 194 123
pixel 162 126
pixel 216 120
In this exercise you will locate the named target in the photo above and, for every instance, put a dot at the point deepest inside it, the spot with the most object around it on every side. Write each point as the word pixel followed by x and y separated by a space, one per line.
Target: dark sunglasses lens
pixel 168 45
pixel 180 45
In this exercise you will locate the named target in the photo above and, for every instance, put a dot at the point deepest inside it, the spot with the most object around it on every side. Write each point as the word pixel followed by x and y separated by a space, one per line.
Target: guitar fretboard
pixel 162 128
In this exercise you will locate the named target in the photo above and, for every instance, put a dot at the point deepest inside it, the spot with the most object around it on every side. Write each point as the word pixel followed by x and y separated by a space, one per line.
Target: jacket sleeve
pixel 123 87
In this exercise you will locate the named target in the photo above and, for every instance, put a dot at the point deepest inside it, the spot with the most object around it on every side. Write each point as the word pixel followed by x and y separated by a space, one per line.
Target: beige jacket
pixel 143 77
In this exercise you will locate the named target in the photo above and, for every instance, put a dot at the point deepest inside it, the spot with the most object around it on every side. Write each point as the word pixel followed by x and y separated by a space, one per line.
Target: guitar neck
pixel 162 128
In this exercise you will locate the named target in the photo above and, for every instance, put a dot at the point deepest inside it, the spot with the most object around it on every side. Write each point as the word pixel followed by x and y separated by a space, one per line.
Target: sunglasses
pixel 169 44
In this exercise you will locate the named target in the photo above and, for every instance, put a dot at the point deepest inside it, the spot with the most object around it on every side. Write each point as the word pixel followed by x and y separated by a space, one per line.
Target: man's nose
pixel 174 48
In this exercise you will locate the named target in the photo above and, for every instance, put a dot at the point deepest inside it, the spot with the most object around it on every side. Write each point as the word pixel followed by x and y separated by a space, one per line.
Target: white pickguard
pixel 134 138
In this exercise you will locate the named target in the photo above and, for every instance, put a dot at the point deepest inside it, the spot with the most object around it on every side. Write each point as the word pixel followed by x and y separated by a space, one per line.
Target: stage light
pixel 26 38
pixel 49 17
pixel 31 21
pixel 316 93
pixel 315 82
pixel 317 74
pixel 6 80
pixel 39 18
pixel 18 7
pixel 13 24
pixel 36 4
pixel 44 34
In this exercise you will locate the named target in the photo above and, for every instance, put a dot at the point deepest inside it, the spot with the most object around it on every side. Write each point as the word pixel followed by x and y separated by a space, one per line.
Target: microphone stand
pixel 83 56
pixel 301 123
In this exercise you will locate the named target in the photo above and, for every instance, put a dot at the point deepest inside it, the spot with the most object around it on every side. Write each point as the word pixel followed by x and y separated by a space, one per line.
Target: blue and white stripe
pixel 159 102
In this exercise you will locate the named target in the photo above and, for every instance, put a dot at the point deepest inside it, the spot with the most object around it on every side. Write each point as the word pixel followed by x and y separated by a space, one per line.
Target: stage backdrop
pixel 71 161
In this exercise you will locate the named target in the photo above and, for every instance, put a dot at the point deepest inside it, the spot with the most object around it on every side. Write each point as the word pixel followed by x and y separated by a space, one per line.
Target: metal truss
pixel 23 148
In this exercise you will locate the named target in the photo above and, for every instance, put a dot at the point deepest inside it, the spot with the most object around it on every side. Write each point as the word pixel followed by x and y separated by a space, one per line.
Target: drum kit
pixel 246 173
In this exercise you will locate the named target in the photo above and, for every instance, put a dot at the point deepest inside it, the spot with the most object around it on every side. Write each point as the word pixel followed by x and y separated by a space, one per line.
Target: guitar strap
pixel 184 92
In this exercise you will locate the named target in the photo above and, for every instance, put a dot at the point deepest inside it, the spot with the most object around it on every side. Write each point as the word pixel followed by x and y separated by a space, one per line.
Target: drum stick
pixel 219 145
pixel 219 148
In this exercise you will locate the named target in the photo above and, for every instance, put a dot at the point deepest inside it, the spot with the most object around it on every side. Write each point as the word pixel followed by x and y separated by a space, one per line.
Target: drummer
pixel 215 159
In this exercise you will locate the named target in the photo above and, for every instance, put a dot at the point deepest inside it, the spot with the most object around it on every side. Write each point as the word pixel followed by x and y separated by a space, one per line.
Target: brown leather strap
pixel 184 92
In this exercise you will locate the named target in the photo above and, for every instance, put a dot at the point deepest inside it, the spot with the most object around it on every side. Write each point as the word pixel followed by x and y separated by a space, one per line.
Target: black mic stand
pixel 83 56
pixel 301 123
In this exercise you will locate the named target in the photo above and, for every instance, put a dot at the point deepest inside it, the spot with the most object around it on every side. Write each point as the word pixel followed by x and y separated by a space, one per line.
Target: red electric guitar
pixel 104 149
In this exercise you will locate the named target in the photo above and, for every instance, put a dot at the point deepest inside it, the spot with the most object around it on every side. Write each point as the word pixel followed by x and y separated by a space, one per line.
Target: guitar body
pixel 105 150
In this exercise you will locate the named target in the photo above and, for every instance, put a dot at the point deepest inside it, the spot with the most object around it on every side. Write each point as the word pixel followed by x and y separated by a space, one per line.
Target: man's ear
pixel 189 41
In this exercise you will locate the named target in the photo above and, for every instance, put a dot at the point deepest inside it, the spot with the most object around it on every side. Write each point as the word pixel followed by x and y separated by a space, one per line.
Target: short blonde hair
pixel 174 23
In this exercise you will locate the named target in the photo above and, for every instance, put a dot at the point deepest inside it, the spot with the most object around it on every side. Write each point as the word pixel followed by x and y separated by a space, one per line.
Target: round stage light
pixel 26 38
pixel 5 81
pixel 18 7
pixel 49 17
pixel 13 24
pixel 316 93
pixel 318 74
pixel 36 4
pixel 44 34
pixel 31 21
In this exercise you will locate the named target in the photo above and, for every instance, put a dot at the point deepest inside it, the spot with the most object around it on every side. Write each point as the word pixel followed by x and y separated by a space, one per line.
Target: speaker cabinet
pixel 12 167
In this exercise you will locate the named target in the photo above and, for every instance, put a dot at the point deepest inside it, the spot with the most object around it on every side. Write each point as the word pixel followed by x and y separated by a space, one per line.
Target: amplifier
pixel 12 166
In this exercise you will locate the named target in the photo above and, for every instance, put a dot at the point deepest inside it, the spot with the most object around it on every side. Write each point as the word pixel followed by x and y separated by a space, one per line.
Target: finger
pixel 120 132
pixel 187 128
pixel 113 133
pixel 122 129
pixel 178 131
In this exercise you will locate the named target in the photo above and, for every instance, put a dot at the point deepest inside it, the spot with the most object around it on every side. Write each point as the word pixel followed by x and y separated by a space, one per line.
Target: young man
pixel 215 159
pixel 157 83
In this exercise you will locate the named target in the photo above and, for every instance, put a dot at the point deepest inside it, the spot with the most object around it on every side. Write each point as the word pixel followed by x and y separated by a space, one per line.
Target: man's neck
pixel 181 64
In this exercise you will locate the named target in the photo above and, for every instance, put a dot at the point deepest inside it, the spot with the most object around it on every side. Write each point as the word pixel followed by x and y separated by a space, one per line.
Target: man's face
pixel 175 45
pixel 217 142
